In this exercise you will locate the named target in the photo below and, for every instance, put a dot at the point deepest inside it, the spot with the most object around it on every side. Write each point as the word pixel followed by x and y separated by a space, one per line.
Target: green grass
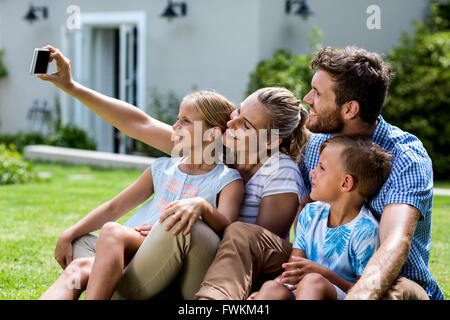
pixel 440 243
pixel 34 215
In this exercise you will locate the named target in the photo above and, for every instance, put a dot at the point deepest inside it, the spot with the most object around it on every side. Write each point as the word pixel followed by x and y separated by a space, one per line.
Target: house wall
pixel 343 23
pixel 214 47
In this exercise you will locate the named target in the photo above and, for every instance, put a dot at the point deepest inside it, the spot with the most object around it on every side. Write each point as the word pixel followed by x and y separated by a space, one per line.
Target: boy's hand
pixel 297 268
pixel 62 78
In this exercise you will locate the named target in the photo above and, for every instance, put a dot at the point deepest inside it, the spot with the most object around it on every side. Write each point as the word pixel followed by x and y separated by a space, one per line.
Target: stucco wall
pixel 214 47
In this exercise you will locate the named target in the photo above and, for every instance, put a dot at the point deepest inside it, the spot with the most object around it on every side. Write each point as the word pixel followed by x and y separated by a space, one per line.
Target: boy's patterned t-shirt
pixel 410 182
pixel 346 249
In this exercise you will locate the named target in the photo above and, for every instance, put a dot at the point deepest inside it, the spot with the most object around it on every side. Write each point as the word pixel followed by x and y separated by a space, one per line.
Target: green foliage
pixel 419 95
pixel 287 70
pixel 439 17
pixel 283 70
pixel 3 71
pixel 70 136
pixel 22 139
pixel 13 169
pixel 315 38
pixel 164 108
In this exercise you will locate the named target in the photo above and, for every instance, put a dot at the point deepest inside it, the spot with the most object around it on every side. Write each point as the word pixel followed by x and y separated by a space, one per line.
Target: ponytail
pixel 299 136
pixel 288 116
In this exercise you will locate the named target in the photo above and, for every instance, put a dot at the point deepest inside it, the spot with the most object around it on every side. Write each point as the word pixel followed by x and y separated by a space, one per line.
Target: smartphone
pixel 39 64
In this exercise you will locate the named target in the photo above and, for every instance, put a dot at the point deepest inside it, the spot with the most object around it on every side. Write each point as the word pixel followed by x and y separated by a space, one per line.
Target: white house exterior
pixel 125 47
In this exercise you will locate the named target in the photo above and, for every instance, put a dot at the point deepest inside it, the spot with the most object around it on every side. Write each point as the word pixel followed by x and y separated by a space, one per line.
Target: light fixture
pixel 31 14
pixel 170 11
pixel 303 9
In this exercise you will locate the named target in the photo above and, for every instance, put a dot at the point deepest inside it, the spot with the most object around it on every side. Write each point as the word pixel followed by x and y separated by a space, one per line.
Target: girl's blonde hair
pixel 214 108
pixel 288 116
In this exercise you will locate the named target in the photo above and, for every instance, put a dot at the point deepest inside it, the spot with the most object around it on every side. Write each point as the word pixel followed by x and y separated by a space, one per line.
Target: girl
pixel 169 180
pixel 271 196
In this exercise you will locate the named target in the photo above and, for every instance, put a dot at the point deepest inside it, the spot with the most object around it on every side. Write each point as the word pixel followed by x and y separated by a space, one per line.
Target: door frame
pixel 114 19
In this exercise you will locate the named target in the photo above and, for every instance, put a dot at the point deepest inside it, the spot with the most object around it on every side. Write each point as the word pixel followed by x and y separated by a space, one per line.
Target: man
pixel 347 95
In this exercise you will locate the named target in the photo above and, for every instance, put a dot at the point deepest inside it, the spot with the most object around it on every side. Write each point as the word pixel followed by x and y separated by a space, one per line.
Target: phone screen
pixel 42 61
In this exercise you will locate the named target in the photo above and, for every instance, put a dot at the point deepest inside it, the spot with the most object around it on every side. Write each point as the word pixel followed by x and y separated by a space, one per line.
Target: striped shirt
pixel 279 174
pixel 410 182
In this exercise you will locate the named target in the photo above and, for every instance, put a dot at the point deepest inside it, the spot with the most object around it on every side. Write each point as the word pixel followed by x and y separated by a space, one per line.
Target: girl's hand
pixel 297 268
pixel 144 229
pixel 62 78
pixel 63 250
pixel 185 212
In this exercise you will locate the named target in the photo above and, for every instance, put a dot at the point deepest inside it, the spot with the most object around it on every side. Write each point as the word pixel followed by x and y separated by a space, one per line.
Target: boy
pixel 336 235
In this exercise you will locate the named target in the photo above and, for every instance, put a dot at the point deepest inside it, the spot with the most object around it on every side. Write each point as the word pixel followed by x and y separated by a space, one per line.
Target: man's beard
pixel 328 123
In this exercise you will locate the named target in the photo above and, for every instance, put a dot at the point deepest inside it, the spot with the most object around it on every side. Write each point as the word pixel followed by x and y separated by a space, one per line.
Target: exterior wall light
pixel 303 8
pixel 31 14
pixel 170 12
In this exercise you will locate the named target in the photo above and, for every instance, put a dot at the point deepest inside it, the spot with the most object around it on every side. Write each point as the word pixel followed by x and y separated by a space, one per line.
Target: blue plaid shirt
pixel 410 182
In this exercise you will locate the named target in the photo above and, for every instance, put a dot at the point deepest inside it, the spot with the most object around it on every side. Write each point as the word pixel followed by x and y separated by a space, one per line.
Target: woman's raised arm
pixel 127 118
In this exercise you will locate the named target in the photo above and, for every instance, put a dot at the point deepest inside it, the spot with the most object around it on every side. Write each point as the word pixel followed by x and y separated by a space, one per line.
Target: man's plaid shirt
pixel 410 182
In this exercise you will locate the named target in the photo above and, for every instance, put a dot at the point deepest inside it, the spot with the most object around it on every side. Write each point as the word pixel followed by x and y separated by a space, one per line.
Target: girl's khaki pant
pixel 161 258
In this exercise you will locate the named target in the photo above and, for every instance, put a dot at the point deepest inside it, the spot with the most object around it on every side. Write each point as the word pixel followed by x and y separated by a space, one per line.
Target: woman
pixel 273 183
pixel 169 180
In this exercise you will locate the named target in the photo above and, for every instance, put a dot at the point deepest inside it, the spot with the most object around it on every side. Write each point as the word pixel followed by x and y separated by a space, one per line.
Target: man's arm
pixel 397 226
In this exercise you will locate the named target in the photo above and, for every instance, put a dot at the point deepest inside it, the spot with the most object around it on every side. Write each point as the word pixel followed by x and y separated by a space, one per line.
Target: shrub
pixel 67 136
pixel 22 139
pixel 164 108
pixel 70 136
pixel 419 95
pixel 13 169
pixel 284 70
pixel 287 70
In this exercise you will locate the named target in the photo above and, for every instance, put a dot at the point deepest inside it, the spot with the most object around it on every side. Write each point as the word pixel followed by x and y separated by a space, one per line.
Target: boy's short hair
pixel 366 161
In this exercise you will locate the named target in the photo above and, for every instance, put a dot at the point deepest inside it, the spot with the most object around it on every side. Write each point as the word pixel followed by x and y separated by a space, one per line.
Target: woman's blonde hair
pixel 214 108
pixel 288 116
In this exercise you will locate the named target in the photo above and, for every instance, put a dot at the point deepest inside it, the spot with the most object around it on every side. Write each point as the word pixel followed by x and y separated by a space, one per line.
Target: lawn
pixel 34 215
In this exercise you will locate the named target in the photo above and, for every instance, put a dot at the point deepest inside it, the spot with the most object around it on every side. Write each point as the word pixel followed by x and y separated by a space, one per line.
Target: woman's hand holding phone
pixel 62 78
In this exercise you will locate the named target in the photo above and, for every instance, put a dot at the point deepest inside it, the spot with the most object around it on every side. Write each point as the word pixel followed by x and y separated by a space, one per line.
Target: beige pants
pixel 405 289
pixel 248 251
pixel 162 258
